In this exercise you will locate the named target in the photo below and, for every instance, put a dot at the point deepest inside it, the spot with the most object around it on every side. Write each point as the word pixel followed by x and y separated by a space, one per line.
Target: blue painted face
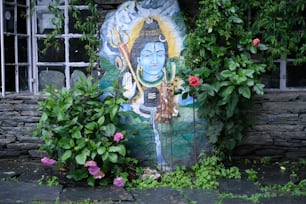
pixel 152 59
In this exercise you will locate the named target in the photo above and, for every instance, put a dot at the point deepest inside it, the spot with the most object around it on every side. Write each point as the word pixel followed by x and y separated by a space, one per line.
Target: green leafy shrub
pixel 82 132
pixel 219 53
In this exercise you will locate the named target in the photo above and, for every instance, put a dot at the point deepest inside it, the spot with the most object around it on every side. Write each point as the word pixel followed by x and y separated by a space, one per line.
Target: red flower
pixel 194 81
pixel 256 42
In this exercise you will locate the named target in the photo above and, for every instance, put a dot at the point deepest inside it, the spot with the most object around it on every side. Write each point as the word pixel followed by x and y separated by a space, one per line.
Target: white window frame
pixel 16 62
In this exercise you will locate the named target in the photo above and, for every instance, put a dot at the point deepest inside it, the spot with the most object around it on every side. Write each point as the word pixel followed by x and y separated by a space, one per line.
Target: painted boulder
pixel 140 46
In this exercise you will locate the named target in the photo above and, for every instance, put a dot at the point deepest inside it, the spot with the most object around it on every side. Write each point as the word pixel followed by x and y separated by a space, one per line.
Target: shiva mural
pixel 139 44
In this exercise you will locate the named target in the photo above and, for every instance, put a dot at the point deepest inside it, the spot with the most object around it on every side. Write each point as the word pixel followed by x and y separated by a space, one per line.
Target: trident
pixel 122 47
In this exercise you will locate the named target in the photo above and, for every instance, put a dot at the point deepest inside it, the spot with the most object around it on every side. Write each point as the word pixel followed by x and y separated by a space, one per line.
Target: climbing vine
pixel 84 24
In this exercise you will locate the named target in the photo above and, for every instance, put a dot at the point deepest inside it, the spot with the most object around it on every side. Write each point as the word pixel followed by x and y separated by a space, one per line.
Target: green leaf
pixel 119 148
pixel 66 155
pixel 91 126
pixel 258 88
pixel 101 120
pixel 91 181
pixel 227 91
pixel 110 130
pixel 235 19
pixel 249 72
pixel 113 157
pixel 65 143
pixel 253 50
pixel 227 74
pixel 81 158
pixel 105 156
pixel 44 117
pixel 101 150
pixel 78 174
pixel 81 142
pixel 114 111
pixel 76 133
pixel 244 91
pixel 262 46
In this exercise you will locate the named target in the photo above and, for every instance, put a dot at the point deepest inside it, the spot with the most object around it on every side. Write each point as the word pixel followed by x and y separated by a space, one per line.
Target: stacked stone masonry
pixel 279 129
pixel 19 115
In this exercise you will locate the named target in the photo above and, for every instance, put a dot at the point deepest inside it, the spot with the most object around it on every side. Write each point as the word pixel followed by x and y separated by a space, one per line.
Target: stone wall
pixel 279 129
pixel 18 117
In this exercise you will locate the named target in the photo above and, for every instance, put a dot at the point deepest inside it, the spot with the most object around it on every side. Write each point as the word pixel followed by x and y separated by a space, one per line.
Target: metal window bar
pixel 29 44
pixel 2 51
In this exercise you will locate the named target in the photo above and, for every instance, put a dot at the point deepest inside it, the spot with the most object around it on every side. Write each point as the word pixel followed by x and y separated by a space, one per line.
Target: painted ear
pixel 138 60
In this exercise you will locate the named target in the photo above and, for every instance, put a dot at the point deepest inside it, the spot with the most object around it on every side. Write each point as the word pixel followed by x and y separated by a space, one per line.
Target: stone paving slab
pixel 108 193
pixel 201 196
pixel 158 196
pixel 238 187
pixel 284 200
pixel 22 192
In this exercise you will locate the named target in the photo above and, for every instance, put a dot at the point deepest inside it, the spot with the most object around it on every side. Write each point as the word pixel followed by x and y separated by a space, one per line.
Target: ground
pixel 263 181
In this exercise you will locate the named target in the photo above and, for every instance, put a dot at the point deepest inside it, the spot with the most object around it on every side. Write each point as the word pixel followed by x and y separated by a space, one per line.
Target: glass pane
pixel 22 49
pixel 9 46
pixel 79 2
pixel 271 78
pixel 54 53
pixel 72 21
pixel 46 21
pixel 48 75
pixel 23 79
pixel 77 52
pixel 23 2
pixel 21 20
pixel 8 18
pixel 296 75
pixel 10 78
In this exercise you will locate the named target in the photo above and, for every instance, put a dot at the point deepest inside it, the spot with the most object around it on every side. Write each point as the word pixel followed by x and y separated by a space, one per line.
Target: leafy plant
pixel 252 174
pixel 49 180
pixel 82 132
pixel 219 51
pixel 179 178
pixel 203 175
pixel 265 160
pixel 209 169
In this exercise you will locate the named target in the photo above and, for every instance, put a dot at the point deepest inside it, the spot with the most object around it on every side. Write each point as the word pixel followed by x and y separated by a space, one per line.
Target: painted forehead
pixel 154 46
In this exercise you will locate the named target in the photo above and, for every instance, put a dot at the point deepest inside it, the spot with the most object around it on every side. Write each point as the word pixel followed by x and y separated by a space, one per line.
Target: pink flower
pixel 48 162
pixel 118 136
pixel 90 164
pixel 93 170
pixel 194 81
pixel 256 42
pixel 118 181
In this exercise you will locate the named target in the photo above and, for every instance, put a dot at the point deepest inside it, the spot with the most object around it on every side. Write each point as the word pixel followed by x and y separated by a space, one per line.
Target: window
pixel 15 36
pixel 23 29
pixel 65 60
